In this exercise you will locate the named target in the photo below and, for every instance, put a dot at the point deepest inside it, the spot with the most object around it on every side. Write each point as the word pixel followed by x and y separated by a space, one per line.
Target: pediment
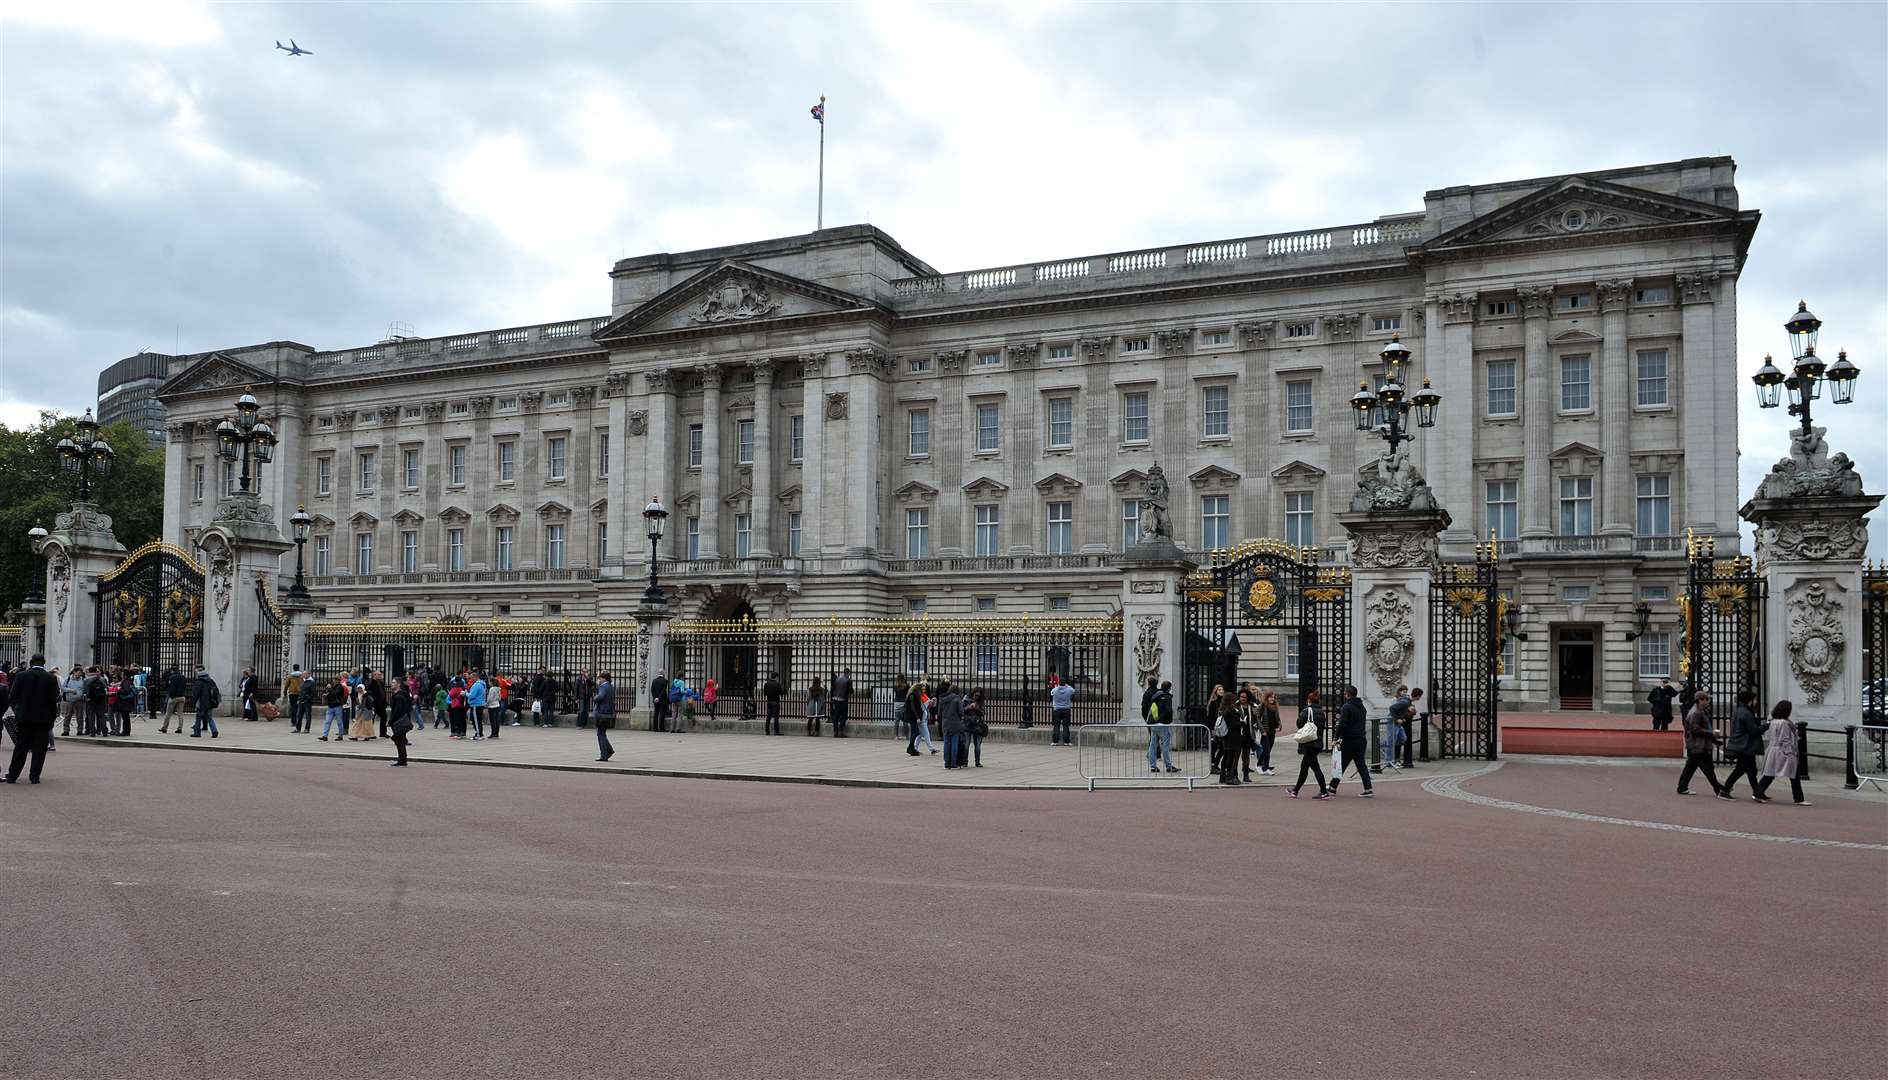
pixel 553 508
pixel 502 512
pixel 689 501
pixel 215 371
pixel 454 513
pixel 363 520
pixel 732 294
pixel 1574 337
pixel 600 506
pixel 741 494
pixel 408 517
pixel 983 488
pixel 1576 449
pixel 1131 480
pixel 1213 475
pixel 1057 484
pixel 322 522
pixel 1300 471
pixel 915 492
pixel 1579 206
pixel 790 496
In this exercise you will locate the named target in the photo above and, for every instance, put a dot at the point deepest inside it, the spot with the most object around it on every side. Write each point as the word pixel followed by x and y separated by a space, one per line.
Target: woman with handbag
pixel 1781 759
pixel 1267 728
pixel 603 708
pixel 1229 726
pixel 1307 739
pixel 975 725
pixel 815 707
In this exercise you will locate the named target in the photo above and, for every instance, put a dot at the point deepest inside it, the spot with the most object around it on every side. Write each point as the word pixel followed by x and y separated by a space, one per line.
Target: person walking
pixel 292 691
pixel 1307 737
pixel 1353 741
pixel 603 707
pixel 547 700
pixel 710 693
pixel 975 726
pixel 1268 725
pixel 1061 714
pixel 1159 711
pixel 815 707
pixel 841 702
pixel 208 696
pixel 950 720
pixel 1781 760
pixel 401 722
pixel 1661 698
pixel 916 723
pixel 659 702
pixel 34 695
pixel 176 688
pixel 1700 740
pixel 772 692
pixel 475 706
pixel 334 698
pixel 1745 744
pixel 1228 727
pixel 1246 702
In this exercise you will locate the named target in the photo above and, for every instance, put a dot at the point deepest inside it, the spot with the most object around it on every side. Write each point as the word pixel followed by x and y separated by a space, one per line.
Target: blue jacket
pixel 606 699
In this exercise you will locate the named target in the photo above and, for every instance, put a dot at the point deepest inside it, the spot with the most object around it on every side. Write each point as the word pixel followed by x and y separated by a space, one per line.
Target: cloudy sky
pixel 169 181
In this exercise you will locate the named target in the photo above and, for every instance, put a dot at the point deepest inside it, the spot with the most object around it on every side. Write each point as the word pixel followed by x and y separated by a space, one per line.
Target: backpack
pixel 95 689
pixel 1153 711
pixel 216 697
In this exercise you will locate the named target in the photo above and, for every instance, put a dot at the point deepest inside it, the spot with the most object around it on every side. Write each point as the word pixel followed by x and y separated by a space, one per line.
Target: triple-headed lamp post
pixel 86 455
pixel 1804 381
pixel 1394 400
pixel 653 516
pixel 248 437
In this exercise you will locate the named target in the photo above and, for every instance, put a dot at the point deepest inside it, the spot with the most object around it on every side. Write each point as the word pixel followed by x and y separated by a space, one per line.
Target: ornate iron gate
pixel 1722 621
pixel 1875 644
pixel 150 612
pixel 269 658
pixel 1466 612
pixel 1267 586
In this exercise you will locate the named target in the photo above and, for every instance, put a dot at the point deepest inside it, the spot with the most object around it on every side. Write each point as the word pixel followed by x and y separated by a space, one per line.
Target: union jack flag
pixel 819 112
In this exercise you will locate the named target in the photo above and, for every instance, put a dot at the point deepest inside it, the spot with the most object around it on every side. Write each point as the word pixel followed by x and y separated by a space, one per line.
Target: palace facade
pixel 839 428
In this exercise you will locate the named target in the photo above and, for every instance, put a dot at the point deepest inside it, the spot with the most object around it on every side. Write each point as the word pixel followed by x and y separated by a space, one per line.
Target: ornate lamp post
pixel 1804 381
pixel 300 523
pixel 248 437
pixel 1644 614
pixel 653 516
pixel 1394 400
pixel 87 455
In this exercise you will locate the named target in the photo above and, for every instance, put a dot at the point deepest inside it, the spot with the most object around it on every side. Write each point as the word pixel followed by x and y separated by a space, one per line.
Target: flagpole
pixel 819 220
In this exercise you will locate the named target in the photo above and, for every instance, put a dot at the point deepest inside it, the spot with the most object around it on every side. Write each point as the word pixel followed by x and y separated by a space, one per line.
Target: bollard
pixel 1425 736
pixel 1802 749
pixel 1850 779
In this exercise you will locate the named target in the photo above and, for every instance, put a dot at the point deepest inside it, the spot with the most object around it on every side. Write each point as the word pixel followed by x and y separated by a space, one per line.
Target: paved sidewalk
pixel 788 758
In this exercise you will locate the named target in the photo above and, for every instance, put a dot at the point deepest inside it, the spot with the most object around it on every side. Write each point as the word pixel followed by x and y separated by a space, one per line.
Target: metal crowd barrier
pixel 1868 756
pixel 1120 752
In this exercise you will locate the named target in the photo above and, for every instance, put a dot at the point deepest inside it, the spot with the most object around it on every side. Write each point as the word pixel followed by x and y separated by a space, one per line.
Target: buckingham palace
pixel 841 429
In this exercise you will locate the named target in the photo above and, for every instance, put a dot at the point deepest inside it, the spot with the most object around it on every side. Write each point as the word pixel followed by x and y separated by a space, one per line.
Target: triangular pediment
pixel 1579 206
pixel 1574 337
pixel 553 508
pixel 1301 471
pixel 915 492
pixel 790 495
pixel 600 506
pixel 408 517
pixel 1057 484
pixel 984 487
pixel 363 520
pixel 732 294
pixel 1213 474
pixel 1576 449
pixel 322 522
pixel 502 512
pixel 739 496
pixel 214 371
pixel 1133 479
pixel 454 513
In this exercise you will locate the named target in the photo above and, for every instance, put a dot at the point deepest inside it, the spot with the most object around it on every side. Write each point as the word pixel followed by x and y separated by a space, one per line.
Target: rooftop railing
pixel 459 348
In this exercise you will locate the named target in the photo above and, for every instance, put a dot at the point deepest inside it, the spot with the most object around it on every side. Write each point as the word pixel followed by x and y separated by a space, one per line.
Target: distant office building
pixel 127 391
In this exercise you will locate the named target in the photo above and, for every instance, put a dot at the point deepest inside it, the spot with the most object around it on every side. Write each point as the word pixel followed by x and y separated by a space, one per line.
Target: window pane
pixel 1298 406
pixel 1503 505
pixel 1501 392
pixel 1655 655
pixel 456 463
pixel 694 445
pixel 555 458
pixel 1653 386
pixel 1655 505
pixel 921 431
pixel 988 528
pixel 1575 389
pixel 1130 523
pixel 743 535
pixel 796 438
pixel 917 533
pixel 1218 417
pixel 1576 506
pixel 1061 539
pixel 988 435
pixel 1215 521
pixel 1135 411
pixel 507 460
pixel 1299 519
pixel 744 442
pixel 1061 422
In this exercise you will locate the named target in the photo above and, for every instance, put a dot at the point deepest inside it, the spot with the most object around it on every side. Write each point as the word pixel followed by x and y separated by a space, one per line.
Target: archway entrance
pixel 1265 612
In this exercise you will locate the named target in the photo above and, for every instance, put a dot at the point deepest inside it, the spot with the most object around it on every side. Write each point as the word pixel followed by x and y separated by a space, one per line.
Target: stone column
pixel 1393 554
pixel 763 486
pixel 32 628
pixel 1152 627
pixel 481 548
pixel 813 531
pixel 177 480
pixel 79 549
pixel 241 547
pixel 1617 490
pixel 1537 416
pixel 1710 445
pixel 1810 515
pixel 620 514
pixel 710 375
pixel 301 615
pixel 661 475
pixel 866 368
pixel 1449 337
pixel 652 646
pixel 534 463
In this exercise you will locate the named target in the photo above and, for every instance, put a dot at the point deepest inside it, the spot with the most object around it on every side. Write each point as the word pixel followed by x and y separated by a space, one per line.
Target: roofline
pixel 751 249
pixel 1596 174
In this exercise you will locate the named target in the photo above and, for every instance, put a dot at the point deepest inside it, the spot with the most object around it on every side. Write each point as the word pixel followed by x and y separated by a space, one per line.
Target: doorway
pixel 1576 669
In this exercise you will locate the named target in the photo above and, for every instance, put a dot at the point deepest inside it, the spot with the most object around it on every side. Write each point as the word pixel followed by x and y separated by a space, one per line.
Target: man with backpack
pixel 1159 713
pixel 176 687
pixel 1353 741
pixel 841 701
pixel 209 697
pixel 97 704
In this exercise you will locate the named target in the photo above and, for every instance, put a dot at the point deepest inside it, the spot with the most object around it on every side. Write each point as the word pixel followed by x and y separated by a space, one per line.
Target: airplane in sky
pixel 293 49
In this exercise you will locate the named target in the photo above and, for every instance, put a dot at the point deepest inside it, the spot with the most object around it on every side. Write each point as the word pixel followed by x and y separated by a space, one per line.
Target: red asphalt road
pixel 173 914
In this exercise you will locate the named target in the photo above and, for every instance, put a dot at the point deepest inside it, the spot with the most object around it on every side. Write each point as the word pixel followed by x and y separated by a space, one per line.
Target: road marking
pixel 1450 787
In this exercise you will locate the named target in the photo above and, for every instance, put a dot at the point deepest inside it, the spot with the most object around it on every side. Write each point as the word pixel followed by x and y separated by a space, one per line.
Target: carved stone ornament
pixel 864 361
pixel 639 422
pixel 344 418
pixel 1024 353
pixel 582 396
pixel 244 508
pixel 735 297
pixel 1813 539
pixel 1810 471
pixel 179 432
pixel 59 572
pixel 615 384
pixel 1575 219
pixel 1096 348
pixel 1614 293
pixel 1150 587
pixel 1698 288
pixel 388 414
pixel 1174 342
pixel 1458 307
pixel 84 517
pixel 1256 333
pixel 1390 641
pixel 951 361
pixel 1342 326
pixel 1392 482
pixel 656 382
pixel 1536 300
pixel 531 400
pixel 1817 642
pixel 740 401
pixel 1393 550
pixel 762 369
pixel 482 406
pixel 221 576
pixel 642 647
pixel 1156 521
pixel 837 405
pixel 1147 647
pixel 434 410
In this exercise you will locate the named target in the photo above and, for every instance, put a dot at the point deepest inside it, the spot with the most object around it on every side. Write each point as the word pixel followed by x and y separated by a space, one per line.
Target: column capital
pixel 658 381
pixel 1024 353
pixel 710 376
pixel 1613 294
pixel 1536 300
pixel 388 414
pixel 481 405
pixel 180 431
pixel 433 410
pixel 867 361
pixel 1699 287
pixel 951 361
pixel 1256 334
pixel 616 384
pixel 763 370
pixel 1458 307
pixel 531 401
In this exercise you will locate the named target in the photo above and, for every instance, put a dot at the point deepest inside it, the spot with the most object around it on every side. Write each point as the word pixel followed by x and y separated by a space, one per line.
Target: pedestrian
pixel 1308 735
pixel 362 728
pixel 246 694
pixel 209 698
pixel 292 691
pixel 1661 699
pixel 1159 712
pixel 1746 742
pixel 1353 741
pixel 604 708
pixel 710 693
pixel 97 703
pixel 176 689
pixel 1061 714
pixel 1246 701
pixel 1213 702
pixel 72 694
pixel 456 708
pixel 659 703
pixel 900 691
pixel 975 726
pixel 815 707
pixel 1397 734
pixel 547 700
pixel 34 696
pixel 772 692
pixel 1268 725
pixel 475 693
pixel 1700 740
pixel 1148 695
pixel 334 699
pixel 1228 727
pixel 841 702
pixel 401 720
pixel 950 720
pixel 441 706
pixel 1781 760
pixel 916 723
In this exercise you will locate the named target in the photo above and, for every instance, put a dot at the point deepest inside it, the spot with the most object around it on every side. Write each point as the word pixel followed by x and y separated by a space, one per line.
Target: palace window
pixel 1501 388
pixel 1301 329
pixel 692 531
pixel 455 464
pixel 364 553
pixel 554 547
pixel 1654 381
pixel 1134 417
pixel 1655 655
pixel 1215 521
pixel 1216 409
pixel 918 424
pixel 603 454
pixel 793 534
pixel 455 549
pixel 1300 519
pixel 988 660
pixel 918 364
pixel 1061 423
pixel 367 470
pixel 507 462
pixel 989 432
pixel 410 468
pixel 1576 506
pixel 1576 383
pixel 1215 337
pixel 1576 594
pixel 503 537
pixel 1136 344
pixel 554 455
pixel 694 446
pixel 603 542
pixel 796 437
pixel 1575 301
pixel 1298 414
pixel 1385 323
pixel 743 535
pixel 196 479
pixel 229 478
pixel 1503 500
pixel 1130 523
pixel 1061 538
pixel 989 528
pixel 322 557
pixel 917 533
pixel 1652 294
pixel 744 442
pixel 1061 352
pixel 1291 656
pixel 1500 307
pixel 1655 504
pixel 989 359
pixel 986 603
pixel 409 551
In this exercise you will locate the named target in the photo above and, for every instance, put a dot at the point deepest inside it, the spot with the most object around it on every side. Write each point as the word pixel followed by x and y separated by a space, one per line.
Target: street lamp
pixel 86 455
pixel 248 437
pixel 1644 614
pixel 300 523
pixel 1396 402
pixel 1511 623
pixel 653 516
pixel 1808 373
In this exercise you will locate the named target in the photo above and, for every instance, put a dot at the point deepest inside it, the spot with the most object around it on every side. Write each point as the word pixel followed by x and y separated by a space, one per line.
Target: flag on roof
pixel 819 111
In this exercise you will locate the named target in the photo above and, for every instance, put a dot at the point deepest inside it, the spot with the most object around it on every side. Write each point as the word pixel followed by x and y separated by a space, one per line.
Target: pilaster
pixel 763 484
pixel 1616 390
pixel 711 463
pixel 241 549
pixel 1393 555
pixel 1537 415
pixel 1152 627
pixel 79 549
pixel 1449 336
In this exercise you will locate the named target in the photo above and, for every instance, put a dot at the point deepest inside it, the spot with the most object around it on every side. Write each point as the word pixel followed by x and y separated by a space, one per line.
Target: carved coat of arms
pixel 735 297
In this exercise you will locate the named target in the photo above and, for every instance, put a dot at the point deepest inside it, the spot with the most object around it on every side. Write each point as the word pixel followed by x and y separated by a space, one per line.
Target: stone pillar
pixel 176 480
pixel 813 532
pixel 867 369
pixel 1537 416
pixel 79 549
pixel 1810 515
pixel 1710 445
pixel 1152 627
pixel 1393 554
pixel 662 469
pixel 301 615
pixel 1617 491
pixel 241 547
pixel 32 628
pixel 620 514
pixel 652 647
pixel 1449 351
pixel 763 486
pixel 711 463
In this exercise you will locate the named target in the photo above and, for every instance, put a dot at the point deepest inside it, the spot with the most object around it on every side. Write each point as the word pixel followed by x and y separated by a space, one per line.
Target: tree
pixel 34 489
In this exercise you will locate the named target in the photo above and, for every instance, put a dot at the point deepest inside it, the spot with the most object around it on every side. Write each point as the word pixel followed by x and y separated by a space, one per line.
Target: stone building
pixel 127 390
pixel 840 428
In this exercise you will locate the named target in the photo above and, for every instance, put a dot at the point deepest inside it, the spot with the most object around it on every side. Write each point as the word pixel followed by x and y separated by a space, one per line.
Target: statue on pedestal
pixel 1810 470
pixel 1392 482
pixel 1156 521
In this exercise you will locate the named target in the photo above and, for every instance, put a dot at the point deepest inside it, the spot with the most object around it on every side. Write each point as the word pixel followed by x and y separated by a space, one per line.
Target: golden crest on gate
pixel 128 611
pixel 1262 597
pixel 182 609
